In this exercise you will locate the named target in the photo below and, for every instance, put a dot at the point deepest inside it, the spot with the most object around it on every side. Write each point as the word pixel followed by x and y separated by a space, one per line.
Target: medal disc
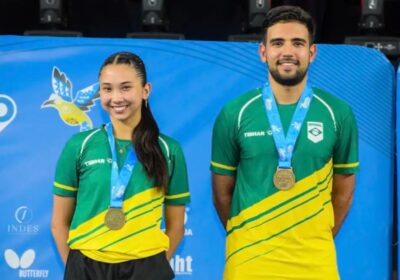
pixel 284 179
pixel 115 218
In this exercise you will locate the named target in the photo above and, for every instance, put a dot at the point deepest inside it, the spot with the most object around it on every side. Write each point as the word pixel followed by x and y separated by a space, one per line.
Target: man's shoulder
pixel 237 104
pixel 331 101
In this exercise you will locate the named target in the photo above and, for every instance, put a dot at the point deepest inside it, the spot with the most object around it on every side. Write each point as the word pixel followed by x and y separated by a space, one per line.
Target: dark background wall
pixel 197 20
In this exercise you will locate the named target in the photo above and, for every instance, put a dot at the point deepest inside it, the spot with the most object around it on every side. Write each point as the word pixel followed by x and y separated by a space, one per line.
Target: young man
pixel 283 163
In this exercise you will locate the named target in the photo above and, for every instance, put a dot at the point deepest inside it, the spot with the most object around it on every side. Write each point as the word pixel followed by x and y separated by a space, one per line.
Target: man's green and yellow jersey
pixel 274 234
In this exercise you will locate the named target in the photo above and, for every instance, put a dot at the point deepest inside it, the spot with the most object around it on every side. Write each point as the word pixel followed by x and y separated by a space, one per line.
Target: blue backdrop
pixel 191 82
pixel 398 165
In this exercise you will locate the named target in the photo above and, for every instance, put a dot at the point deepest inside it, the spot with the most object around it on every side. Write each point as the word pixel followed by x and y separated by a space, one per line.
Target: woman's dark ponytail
pixel 147 148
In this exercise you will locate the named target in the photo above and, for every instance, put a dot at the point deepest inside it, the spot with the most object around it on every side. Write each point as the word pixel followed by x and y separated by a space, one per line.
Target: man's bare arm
pixel 342 198
pixel 222 195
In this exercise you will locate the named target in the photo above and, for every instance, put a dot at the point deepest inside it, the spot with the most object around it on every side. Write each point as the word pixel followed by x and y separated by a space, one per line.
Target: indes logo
pixel 23 217
pixel 72 108
pixel 182 265
pixel 8 111
pixel 23 264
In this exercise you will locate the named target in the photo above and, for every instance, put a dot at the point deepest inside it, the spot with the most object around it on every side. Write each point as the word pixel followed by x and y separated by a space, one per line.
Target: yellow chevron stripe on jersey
pixel 65 187
pixel 346 165
pixel 132 207
pixel 285 207
pixel 301 187
pixel 102 236
pixel 274 217
pixel 277 258
pixel 175 196
pixel 279 220
pixel 223 166
pixel 115 243
pixel 243 254
pixel 136 224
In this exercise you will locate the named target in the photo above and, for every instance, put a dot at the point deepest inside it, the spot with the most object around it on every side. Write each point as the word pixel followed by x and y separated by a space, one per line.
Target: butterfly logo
pixel 15 262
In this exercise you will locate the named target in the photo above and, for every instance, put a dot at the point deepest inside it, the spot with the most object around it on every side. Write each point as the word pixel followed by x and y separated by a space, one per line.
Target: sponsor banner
pixel 23 222
pixel 8 111
pixel 398 167
pixel 48 92
pixel 23 265
pixel 182 265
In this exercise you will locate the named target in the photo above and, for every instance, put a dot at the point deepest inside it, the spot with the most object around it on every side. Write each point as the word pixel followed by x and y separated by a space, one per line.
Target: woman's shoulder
pixel 169 144
pixel 80 138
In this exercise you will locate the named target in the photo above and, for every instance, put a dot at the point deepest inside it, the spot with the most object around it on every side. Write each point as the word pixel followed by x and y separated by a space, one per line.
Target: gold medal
pixel 115 218
pixel 284 178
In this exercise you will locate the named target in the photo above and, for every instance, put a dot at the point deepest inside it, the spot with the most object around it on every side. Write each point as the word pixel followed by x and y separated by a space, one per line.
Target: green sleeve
pixel 345 157
pixel 178 188
pixel 225 151
pixel 66 177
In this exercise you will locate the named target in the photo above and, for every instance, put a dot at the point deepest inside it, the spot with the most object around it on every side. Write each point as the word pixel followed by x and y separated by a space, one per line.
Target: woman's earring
pixel 145 103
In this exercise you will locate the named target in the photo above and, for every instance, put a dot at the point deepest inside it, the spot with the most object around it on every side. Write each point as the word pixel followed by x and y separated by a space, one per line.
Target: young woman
pixel 111 184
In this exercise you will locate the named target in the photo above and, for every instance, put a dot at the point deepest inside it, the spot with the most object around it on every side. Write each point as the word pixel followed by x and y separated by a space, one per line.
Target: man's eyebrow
pixel 275 40
pixel 299 40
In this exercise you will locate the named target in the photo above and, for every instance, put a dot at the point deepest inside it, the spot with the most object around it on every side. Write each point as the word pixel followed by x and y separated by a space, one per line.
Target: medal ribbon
pixel 285 146
pixel 119 180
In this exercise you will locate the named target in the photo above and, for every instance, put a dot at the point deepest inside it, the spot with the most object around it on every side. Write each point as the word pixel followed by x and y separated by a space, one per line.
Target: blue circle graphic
pixel 10 109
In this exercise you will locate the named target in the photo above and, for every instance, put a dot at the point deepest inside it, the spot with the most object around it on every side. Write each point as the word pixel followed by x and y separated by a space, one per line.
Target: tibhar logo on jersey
pixel 72 108
pixel 98 161
pixel 315 131
pixel 24 263
pixel 23 217
pixel 182 265
pixel 8 111
pixel 257 133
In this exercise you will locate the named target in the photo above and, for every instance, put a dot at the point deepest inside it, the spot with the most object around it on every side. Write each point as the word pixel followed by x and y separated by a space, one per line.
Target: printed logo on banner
pixel 188 231
pixel 72 108
pixel 23 217
pixel 8 111
pixel 182 265
pixel 23 264
pixel 315 131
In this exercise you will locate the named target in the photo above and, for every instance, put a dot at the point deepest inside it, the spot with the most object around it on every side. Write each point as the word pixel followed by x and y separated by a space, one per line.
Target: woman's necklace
pixel 122 147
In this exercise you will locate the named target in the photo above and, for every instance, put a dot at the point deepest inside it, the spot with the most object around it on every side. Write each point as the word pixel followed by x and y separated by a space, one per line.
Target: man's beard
pixel 288 81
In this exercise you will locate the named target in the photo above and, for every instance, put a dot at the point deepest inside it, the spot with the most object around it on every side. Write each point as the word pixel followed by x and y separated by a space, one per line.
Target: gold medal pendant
pixel 284 179
pixel 115 218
